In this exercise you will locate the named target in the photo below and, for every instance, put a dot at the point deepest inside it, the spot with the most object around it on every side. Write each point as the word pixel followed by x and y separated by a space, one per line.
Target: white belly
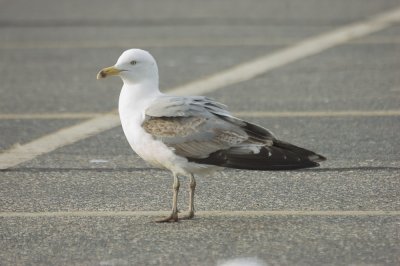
pixel 159 155
pixel 143 144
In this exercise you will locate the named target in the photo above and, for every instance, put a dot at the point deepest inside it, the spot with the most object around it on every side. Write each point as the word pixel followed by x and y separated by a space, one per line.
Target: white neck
pixel 135 97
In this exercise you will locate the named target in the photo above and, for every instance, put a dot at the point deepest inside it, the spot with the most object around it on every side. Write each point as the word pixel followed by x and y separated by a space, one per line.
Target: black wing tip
pixel 270 159
pixel 280 156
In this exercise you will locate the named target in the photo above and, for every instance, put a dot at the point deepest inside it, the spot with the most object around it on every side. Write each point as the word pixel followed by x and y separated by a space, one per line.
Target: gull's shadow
pixel 132 169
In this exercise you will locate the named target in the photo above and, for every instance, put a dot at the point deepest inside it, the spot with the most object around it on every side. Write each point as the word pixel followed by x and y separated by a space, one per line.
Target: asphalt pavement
pixel 92 202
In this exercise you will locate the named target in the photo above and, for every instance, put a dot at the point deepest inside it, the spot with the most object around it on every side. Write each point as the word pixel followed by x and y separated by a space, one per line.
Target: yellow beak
pixel 108 71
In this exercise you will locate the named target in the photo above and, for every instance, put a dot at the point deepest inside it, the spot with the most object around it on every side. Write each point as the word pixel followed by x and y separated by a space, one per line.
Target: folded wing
pixel 203 131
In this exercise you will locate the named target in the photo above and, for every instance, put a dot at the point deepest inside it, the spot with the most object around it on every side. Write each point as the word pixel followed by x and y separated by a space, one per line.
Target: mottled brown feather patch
pixel 172 126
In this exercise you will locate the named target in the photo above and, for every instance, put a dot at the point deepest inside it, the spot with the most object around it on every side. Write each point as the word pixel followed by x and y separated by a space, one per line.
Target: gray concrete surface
pixel 129 241
pixel 50 53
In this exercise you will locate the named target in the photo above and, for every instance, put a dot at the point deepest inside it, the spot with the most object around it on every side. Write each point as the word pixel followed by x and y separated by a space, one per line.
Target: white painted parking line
pixel 42 116
pixel 350 113
pixel 320 113
pixel 199 213
pixel 242 72
pixel 288 55
pixel 50 142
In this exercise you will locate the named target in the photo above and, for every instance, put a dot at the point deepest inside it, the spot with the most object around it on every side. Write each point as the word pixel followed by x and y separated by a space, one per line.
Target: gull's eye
pixel 133 62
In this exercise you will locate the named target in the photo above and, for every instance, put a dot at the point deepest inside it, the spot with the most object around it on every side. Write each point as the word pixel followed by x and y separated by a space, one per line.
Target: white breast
pixel 132 114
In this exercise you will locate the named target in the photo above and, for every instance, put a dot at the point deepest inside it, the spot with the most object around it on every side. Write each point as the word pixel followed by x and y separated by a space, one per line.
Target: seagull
pixel 192 135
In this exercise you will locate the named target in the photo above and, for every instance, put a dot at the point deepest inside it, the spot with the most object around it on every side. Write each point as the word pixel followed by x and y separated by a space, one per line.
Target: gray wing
pixel 175 106
pixel 197 126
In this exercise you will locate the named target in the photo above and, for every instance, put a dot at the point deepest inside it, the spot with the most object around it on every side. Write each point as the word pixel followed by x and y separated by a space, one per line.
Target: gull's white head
pixel 133 66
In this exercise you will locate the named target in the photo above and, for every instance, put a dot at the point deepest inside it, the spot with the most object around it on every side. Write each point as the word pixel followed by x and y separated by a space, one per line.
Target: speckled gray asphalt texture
pixel 50 54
